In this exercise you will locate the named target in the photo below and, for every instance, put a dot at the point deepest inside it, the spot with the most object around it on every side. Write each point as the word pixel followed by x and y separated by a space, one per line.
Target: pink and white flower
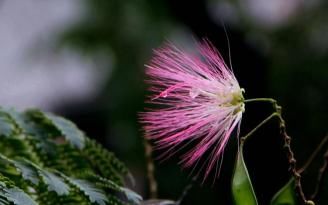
pixel 197 101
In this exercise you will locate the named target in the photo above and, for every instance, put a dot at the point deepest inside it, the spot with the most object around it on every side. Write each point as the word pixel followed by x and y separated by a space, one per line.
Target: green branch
pixel 287 145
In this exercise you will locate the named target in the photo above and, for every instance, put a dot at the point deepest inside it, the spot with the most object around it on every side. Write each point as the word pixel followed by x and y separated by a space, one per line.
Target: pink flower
pixel 198 103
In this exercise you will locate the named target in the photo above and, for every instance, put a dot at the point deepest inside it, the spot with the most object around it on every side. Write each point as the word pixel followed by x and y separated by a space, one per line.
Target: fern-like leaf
pixel 6 127
pixel 105 162
pixel 27 171
pixel 130 195
pixel 54 183
pixel 14 195
pixel 19 197
pixel 68 130
pixel 45 158
pixel 94 194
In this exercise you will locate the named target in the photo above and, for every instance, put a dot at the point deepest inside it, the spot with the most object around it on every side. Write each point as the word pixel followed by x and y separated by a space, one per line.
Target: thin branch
pixel 185 192
pixel 150 171
pixel 271 100
pixel 322 171
pixel 314 154
pixel 287 146
pixel 290 155
pixel 244 138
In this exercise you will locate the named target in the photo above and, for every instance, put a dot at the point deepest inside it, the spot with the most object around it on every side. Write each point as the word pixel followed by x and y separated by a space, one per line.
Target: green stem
pixel 260 100
pixel 244 138
pixel 287 145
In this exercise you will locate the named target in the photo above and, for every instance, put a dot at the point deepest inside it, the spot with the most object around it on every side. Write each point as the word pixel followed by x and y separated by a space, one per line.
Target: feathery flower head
pixel 198 101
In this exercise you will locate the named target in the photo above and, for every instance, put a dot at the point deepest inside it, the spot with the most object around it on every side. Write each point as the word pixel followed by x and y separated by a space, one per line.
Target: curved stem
pixel 244 138
pixel 314 154
pixel 322 170
pixel 287 139
pixel 185 192
pixel 260 100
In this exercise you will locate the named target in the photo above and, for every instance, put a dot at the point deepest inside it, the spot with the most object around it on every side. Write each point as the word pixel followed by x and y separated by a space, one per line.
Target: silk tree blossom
pixel 198 102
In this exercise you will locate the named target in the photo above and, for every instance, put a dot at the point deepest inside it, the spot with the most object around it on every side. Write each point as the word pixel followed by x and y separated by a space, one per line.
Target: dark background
pixel 278 50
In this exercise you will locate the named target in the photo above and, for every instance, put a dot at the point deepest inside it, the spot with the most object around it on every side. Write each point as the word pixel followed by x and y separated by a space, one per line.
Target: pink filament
pixel 191 91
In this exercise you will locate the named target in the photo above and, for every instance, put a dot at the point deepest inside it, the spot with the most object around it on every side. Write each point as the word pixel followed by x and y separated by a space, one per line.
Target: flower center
pixel 237 97
pixel 234 98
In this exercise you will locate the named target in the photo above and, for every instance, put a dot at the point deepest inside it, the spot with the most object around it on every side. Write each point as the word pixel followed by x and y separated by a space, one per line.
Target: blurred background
pixel 84 59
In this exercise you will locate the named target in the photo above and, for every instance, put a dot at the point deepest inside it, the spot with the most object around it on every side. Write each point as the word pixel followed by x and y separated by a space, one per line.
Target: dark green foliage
pixel 106 162
pixel 46 159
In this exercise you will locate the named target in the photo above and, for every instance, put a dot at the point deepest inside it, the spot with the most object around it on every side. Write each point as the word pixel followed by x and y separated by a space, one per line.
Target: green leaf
pixel 105 162
pixel 94 194
pixel 286 195
pixel 28 172
pixel 19 119
pixel 48 156
pixel 19 197
pixel 31 172
pixel 242 190
pixel 132 196
pixel 14 195
pixel 68 130
pixel 54 182
pixel 6 126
